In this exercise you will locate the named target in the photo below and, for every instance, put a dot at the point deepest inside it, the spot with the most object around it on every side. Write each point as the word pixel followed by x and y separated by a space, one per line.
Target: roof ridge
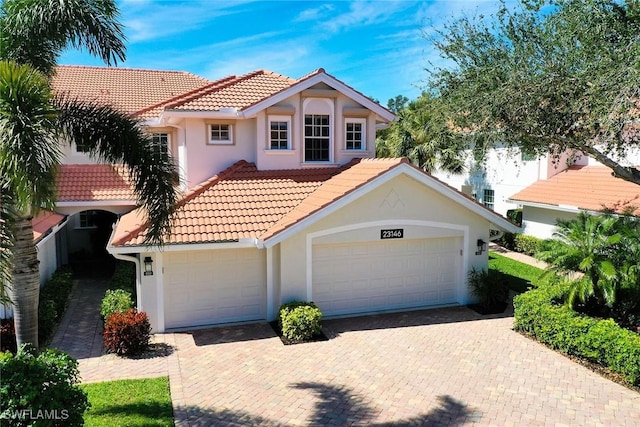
pixel 168 102
pixel 229 81
pixel 147 70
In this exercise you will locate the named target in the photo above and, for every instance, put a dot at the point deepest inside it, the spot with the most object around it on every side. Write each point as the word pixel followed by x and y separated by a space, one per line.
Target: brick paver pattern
pixel 433 367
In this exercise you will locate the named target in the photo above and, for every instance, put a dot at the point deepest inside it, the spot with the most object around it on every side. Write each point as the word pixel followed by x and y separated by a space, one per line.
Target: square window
pixel 161 142
pixel 279 134
pixel 220 134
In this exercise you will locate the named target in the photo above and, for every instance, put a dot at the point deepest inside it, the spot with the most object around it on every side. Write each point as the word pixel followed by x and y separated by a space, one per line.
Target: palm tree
pixel 588 245
pixel 33 122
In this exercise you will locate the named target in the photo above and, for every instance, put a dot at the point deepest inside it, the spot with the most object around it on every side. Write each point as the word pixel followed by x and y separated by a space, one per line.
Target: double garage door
pixel 210 287
pixel 384 275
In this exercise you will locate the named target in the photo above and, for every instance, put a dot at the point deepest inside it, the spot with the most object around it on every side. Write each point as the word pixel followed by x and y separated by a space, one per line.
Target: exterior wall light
pixel 482 247
pixel 148 266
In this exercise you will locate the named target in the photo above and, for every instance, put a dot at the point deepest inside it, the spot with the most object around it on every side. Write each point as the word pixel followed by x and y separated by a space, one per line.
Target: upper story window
pixel 80 147
pixel 220 133
pixel 488 198
pixel 317 138
pixel 279 133
pixel 355 134
pixel 161 142
pixel 87 219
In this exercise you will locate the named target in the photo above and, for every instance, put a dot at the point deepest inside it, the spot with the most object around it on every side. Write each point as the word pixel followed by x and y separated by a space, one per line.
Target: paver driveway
pixel 432 367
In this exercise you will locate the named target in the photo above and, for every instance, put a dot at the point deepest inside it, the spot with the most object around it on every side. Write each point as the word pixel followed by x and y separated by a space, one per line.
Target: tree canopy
pixel 548 76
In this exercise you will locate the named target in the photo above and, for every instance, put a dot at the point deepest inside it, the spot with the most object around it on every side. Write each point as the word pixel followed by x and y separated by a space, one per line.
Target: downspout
pixel 130 258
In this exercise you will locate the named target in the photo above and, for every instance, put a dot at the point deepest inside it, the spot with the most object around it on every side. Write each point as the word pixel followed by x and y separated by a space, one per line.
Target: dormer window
pixel 317 141
pixel 160 142
pixel 279 132
pixel 355 134
pixel 220 134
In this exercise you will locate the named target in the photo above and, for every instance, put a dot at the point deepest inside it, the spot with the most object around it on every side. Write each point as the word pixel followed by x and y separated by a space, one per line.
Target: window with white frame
pixel 161 142
pixel 220 133
pixel 87 219
pixel 355 134
pixel 488 198
pixel 316 138
pixel 279 133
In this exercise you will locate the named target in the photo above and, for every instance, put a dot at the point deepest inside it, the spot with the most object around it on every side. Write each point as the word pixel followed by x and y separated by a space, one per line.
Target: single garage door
pixel 385 275
pixel 211 287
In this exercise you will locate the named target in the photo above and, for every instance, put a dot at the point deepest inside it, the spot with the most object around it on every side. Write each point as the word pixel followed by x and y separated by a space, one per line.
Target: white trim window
pixel 79 148
pixel 317 138
pixel 279 132
pixel 355 134
pixel 161 141
pixel 220 134
pixel 488 198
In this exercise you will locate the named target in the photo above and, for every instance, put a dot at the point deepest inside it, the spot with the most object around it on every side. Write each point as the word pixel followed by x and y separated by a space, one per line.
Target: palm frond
pixel 35 32
pixel 116 138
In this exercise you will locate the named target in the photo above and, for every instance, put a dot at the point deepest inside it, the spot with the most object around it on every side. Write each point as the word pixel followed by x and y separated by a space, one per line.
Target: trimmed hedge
pixel 299 321
pixel 54 296
pixel 542 314
pixel 527 244
pixel 124 277
pixel 115 300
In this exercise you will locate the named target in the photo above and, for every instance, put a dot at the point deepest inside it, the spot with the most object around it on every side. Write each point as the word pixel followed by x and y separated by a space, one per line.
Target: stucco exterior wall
pixel 403 199
pixel 541 223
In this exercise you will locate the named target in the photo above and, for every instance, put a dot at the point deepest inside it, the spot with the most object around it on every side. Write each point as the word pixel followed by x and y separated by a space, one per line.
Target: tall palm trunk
pixel 25 289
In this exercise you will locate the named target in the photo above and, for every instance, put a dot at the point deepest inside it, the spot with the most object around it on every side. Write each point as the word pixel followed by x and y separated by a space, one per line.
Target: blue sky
pixel 378 47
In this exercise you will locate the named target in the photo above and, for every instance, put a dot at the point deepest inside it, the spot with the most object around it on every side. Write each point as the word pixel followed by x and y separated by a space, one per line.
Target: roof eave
pixel 402 168
pixel 174 247
pixel 230 113
pixel 321 77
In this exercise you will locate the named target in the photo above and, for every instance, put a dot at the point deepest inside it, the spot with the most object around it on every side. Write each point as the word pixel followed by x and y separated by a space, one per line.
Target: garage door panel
pixel 392 275
pixel 209 287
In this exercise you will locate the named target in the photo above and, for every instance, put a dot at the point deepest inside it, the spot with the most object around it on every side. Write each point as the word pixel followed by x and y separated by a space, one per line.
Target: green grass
pixel 520 276
pixel 145 402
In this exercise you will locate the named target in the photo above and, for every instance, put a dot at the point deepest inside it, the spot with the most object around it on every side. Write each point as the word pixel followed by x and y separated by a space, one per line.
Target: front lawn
pixel 520 276
pixel 145 402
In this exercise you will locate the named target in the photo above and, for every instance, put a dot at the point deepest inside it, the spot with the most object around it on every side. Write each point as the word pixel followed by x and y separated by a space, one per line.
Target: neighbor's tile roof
pixel 129 90
pixel 243 202
pixel 44 222
pixel 93 183
pixel 234 92
pixel 584 187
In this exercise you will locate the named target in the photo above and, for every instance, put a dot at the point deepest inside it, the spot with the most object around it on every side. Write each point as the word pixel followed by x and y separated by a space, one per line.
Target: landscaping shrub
pixel 127 333
pixel 489 286
pixel 515 216
pixel 58 289
pixel 115 300
pixel 527 244
pixel 124 277
pixel 40 389
pixel 7 335
pixel 508 241
pixel 542 314
pixel 47 319
pixel 299 321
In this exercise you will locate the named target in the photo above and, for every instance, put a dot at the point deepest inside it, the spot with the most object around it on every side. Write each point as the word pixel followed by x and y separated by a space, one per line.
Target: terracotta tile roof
pixel 129 90
pixel 44 222
pixel 234 92
pixel 241 202
pixel 584 187
pixel 93 183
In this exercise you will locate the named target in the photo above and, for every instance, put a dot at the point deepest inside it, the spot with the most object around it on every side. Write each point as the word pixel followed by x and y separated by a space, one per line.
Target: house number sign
pixel 396 233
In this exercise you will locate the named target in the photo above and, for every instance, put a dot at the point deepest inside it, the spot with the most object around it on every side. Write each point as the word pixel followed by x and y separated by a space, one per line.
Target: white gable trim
pixel 311 81
pixel 133 249
pixel 410 171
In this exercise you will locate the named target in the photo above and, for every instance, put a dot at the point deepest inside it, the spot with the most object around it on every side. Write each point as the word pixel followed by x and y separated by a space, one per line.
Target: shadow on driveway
pixel 338 406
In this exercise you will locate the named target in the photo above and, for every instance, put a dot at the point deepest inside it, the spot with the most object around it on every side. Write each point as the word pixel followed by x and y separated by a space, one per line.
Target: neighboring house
pixel 282 200
pixel 579 188
pixel 504 172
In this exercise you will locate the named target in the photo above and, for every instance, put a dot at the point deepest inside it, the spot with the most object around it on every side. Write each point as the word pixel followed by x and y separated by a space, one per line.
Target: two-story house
pixel 282 199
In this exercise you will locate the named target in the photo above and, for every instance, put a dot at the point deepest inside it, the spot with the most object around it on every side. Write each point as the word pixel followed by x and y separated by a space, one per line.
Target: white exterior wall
pixel 541 223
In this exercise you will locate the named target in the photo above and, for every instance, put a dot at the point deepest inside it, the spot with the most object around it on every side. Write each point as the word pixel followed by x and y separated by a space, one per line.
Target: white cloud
pixel 363 13
pixel 315 13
